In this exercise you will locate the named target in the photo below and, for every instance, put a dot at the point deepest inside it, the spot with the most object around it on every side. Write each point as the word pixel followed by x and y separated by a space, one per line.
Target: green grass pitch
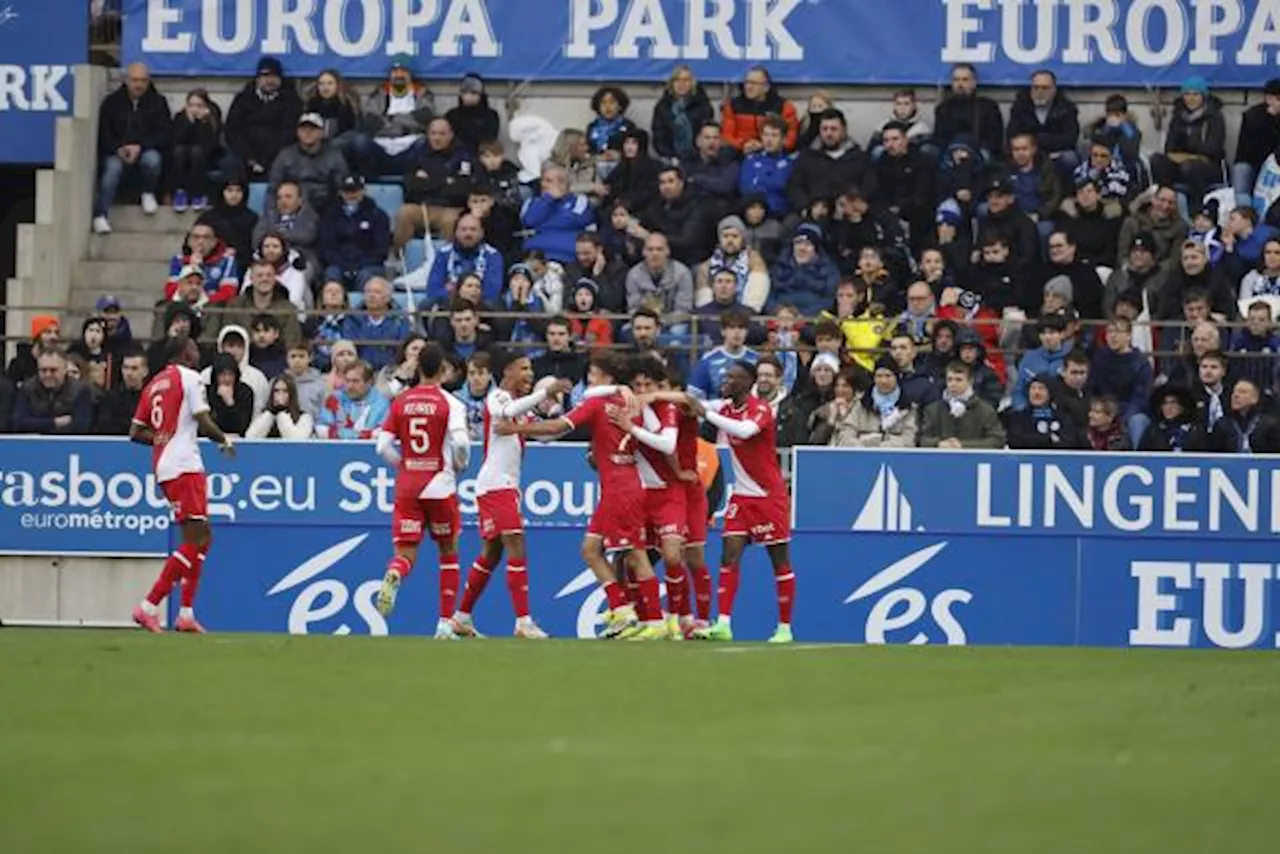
pixel 122 742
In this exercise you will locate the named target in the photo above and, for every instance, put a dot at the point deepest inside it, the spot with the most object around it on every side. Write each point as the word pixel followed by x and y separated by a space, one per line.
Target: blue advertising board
pixel 1100 42
pixel 39 45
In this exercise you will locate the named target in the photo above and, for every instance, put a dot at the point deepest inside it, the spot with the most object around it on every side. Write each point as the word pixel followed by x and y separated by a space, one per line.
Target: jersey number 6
pixel 157 412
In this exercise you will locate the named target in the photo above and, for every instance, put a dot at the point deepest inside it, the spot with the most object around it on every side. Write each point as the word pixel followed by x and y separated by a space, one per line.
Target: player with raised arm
pixel 498 496
pixel 616 525
pixel 759 508
pixel 430 426
pixel 170 415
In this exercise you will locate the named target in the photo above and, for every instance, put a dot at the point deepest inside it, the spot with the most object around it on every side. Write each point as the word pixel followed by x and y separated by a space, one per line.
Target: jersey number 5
pixel 419 438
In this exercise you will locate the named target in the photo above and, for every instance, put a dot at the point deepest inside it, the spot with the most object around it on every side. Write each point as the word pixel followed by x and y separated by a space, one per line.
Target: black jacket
pixel 474 125
pixel 448 179
pixel 36 407
pixel 1056 432
pixel 7 392
pixel 564 365
pixel 340 112
pixel 359 240
pixel 234 418
pixel 234 225
pixel 1259 136
pixel 634 182
pixel 919 386
pixel 716 178
pixel 115 411
pixel 1206 134
pixel 1213 280
pixel 905 183
pixel 256 129
pixel 1260 428
pixel 1018 229
pixel 1060 130
pixel 975 116
pixel 817 175
pixel 122 122
pixel 1086 288
pixel 698 110
pixel 1096 232
pixel 612 296
pixel 505 181
pixel 199 134
pixel 999 285
pixel 1073 404
pixel 22 366
pixel 687 223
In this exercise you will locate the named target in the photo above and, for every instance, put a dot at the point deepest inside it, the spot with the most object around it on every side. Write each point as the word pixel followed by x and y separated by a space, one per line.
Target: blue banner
pixel 1133 43
pixel 39 45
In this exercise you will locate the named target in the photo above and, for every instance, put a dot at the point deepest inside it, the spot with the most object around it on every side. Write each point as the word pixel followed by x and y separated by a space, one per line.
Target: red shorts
pixel 188 494
pixel 696 512
pixel 500 513
pixel 619 521
pixel 664 514
pixel 413 517
pixel 764 520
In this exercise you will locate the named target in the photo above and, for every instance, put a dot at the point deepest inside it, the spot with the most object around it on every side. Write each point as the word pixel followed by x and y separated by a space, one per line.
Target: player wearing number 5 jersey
pixel 498 496
pixel 430 426
pixel 171 412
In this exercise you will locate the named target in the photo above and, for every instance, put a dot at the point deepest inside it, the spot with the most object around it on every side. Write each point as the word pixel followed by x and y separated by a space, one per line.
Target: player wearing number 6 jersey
pixel 171 412
pixel 498 496
pixel 430 426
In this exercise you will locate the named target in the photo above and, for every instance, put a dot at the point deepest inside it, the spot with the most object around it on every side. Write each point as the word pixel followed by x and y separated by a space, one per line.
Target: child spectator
pixel 266 350
pixel 589 329
pixel 1259 344
pixel 1118 128
pixel 475 390
pixel 906 111
pixel 985 381
pixel 92 346
pixel 763 233
pixel 308 382
pixel 473 120
pixel 605 131
pixel 284 417
pixel 230 400
pixel 342 356
pixel 330 98
pixel 872 275
pixel 501 174
pixel 1109 173
pixel 196 129
pixel 1105 432
pixel 620 235
pixel 1204 229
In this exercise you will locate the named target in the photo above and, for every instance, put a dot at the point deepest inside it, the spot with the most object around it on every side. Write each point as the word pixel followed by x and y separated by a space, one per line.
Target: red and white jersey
pixel 428 422
pixel 756 471
pixel 504 454
pixel 655 471
pixel 169 406
pixel 687 440
pixel 613 450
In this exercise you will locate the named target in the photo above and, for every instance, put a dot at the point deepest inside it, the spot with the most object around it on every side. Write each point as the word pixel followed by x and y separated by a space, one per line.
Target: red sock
pixel 728 588
pixel 175 566
pixel 616 595
pixel 477 580
pixel 518 586
pixel 191 580
pixel 786 581
pixel 448 584
pixel 650 600
pixel 677 589
pixel 400 565
pixel 701 577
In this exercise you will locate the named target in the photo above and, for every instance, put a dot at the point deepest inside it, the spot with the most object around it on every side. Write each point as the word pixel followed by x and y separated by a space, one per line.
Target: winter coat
pixel 688 224
pixel 452 263
pixel 1253 432
pixel 970 115
pixel 564 364
pixel 977 427
pixel 1034 363
pixel 341 113
pixel 1124 376
pixel 1019 231
pixel 1086 288
pixel 1096 232
pixel 343 418
pixel 301 229
pixel 35 408
pixel 556 224
pixel 796 414
pixel 1124 139
pixel 634 182
pixel 1212 280
pixel 673 290
pixel 248 374
pixel 281 425
pixel 448 181
pixel 474 125
pixel 392 328
pixel 241 311
pixel 1204 134
pixel 505 181
pixel 822 174
pixel 716 178
pixel 234 418
pixel 768 175
pixel 122 121
pixel 607 134
pixel 1038 189
pixel 1128 282
pixel 115 411
pixel 1259 136
pixel 919 386
pixel 318 172
pixel 1183 431
pixel 1169 235
pixel 353 240
pixel 809 288
pixel 258 130
pixel 235 226
pixel 200 134
pixel 905 182
pixel 864 428
pixel 741 119
pixel 414 123
pixel 1060 130
pixel 1043 431
pixel 698 111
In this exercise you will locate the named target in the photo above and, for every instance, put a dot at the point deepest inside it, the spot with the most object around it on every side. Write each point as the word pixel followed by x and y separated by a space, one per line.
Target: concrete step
pixel 122 278
pixel 139 321
pixel 131 218
pixel 135 246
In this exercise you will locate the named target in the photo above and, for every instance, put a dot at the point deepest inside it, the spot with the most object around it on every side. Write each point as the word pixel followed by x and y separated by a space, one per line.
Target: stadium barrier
pixel 914 547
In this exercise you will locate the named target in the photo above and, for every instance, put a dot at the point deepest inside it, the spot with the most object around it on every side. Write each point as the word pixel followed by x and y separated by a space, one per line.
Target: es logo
pixel 591 612
pixel 323 598
pixel 902 607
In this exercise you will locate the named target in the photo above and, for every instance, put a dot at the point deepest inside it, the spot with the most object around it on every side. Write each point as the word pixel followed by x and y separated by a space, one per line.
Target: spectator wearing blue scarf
pixel 1041 426
pixel 606 130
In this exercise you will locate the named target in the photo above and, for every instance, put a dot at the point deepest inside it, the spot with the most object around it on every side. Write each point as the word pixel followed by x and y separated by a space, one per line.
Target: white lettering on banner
pixel 323 599
pixel 882 618
pixel 1156 33
pixel 33 89
pixel 644 21
pixel 349 28
pixel 1155 606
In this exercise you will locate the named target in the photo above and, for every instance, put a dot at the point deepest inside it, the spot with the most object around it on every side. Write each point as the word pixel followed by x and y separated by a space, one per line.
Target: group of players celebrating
pixel 644 445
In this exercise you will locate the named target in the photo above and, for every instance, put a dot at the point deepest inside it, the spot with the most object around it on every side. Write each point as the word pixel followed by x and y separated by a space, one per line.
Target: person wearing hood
pixel 466 253
pixel 1045 113
pixel 1094 224
pixel 1045 360
pixel 971 351
pixel 308 382
pixel 942 347
pixel 1122 373
pixel 767 171
pixel 963 112
pixel 262 121
pixel 836 163
pixel 742 117
pixel 313 162
pixel 437 182
pixel 634 179
pixel 264 295
pixel 589 329
pixel 1259 137
pixel 396 116
pixel 92 347
pixel 46 335
pixel 960 419
pixel 175 320
pixel 1195 144
pixel 473 120
pixel 1248 427
pixel 679 116
pixel 233 341
pixel 883 417
pixel 230 216
pixel 711 171
pixel 805 276
pixel 1173 423
pixel 960 174
pixel 230 399
pixel 1040 426
pixel 133 129
pixel 556 216
pixel 1154 213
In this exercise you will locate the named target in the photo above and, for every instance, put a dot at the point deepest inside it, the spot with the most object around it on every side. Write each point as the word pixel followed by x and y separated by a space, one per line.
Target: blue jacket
pixel 343 418
pixel 1034 363
pixel 452 263
pixel 556 224
pixel 708 374
pixel 1126 377
pixel 393 328
pixel 475 409
pixel 359 239
pixel 766 175
pixel 1249 250
pixel 810 288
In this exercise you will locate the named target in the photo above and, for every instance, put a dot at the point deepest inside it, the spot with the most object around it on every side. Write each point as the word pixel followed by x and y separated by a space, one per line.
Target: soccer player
pixel 697 512
pixel 759 509
pixel 431 427
pixel 498 494
pixel 616 524
pixel 170 414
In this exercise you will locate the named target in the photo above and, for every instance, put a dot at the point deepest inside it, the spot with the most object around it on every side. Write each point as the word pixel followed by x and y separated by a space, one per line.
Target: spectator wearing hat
pixel 174 319
pixel 437 183
pixel 1055 301
pixel 1118 129
pixel 952 236
pixel 556 216
pixel 133 129
pixel 983 377
pixel 682 216
pixel 1155 212
pixel 231 217
pixel 354 237
pixel 904 178
pixel 837 162
pixel 466 253
pixel 1195 144
pixel 1050 117
pixel 590 330
pixel 750 273
pixel 680 115
pixel 805 276
pixel 46 336
pixel 963 112
pixel 217 263
pixel 473 120
pixel 1204 229
pixel 1045 359
pixel 1006 217
pixel 1140 278
pixel 961 172
pixel 314 163
pixel 119 332
pixel 1092 222
pixel 1123 373
pixel 262 121
pixel 1259 137
pixel 660 279
pixel 961 419
pixel 1040 425
pixel 767 170
pixel 396 115
pixel 743 116
pixel 52 403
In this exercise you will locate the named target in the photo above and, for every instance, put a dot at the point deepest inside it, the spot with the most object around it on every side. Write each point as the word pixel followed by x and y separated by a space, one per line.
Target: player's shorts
pixel 696 512
pixel 188 495
pixel 500 513
pixel 664 514
pixel 619 521
pixel 763 520
pixel 413 518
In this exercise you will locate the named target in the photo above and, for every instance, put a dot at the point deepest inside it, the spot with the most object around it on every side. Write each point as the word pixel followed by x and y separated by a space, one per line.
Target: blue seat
pixel 389 197
pixel 415 255
pixel 257 198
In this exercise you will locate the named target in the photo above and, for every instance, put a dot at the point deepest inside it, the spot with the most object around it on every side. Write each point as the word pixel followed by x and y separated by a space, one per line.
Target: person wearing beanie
pixel 473 120
pixel 1047 359
pixel 1196 142
pixel 805 276
pixel 750 273
pixel 1041 426
pixel 1259 136
pixel 587 326
pixel 262 121
pixel 398 134
pixel 46 331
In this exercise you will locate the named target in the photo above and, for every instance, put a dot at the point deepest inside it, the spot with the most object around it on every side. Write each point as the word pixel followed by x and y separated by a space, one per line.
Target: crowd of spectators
pixel 956 281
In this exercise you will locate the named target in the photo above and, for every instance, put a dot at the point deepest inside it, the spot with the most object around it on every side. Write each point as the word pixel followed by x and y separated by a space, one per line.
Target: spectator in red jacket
pixel 743 115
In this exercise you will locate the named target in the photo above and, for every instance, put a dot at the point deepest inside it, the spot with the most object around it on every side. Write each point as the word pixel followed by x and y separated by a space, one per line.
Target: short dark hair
pixel 430 359
pixel 490 146
pixel 133 350
pixel 608 364
pixel 1077 357
pixel 827 329
pixel 1247 212
pixel 560 320
pixel 482 359
pixel 648 365
pixel 1195 295
pixel 905 93
pixel 365 369
pixel 775 121
pixel 771 361
pixel 958 367
pixel 591 237
pixel 264 320
pixel 994 237
pixel 832 114
pixel 1260 304
pixel 645 311
pixel 1215 355
pixel 173 347
pixel 735 318
pixel 483 189
pixel 461 305
pixel 301 344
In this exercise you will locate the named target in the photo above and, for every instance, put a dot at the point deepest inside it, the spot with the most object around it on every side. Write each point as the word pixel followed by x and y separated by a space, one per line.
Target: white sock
pixel 186 614
pixel 462 616
pixel 524 621
pixel 725 620
pixel 148 608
